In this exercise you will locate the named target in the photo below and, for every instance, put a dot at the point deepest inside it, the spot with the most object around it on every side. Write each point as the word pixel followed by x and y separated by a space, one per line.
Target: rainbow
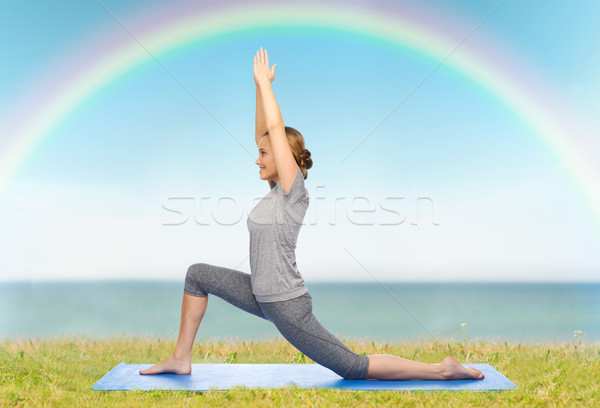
pixel 163 30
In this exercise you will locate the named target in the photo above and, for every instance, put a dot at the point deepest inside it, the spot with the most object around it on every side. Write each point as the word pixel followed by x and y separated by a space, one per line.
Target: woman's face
pixel 266 161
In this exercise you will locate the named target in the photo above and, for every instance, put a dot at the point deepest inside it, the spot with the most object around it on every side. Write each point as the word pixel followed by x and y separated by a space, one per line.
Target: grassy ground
pixel 59 372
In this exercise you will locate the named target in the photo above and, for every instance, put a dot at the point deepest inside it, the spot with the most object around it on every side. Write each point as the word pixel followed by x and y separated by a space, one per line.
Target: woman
pixel 275 289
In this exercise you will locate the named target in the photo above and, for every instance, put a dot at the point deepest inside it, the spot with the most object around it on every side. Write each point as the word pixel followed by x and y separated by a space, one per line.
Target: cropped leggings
pixel 293 318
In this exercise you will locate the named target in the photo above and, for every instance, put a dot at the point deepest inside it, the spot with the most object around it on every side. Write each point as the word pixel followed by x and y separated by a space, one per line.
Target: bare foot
pixel 171 365
pixel 453 370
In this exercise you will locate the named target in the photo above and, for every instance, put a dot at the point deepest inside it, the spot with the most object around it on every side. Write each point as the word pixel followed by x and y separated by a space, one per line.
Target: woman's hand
pixel 262 72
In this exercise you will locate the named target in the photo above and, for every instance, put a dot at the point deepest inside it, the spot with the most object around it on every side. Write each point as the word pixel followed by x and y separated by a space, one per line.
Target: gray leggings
pixel 293 318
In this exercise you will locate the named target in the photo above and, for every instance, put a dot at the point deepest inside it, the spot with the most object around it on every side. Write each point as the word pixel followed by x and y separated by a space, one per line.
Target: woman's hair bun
pixel 305 160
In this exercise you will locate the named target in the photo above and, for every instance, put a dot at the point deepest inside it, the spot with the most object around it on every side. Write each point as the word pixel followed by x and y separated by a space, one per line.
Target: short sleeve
pixel 297 191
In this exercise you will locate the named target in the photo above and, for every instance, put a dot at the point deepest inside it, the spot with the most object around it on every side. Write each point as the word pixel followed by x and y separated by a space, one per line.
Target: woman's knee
pixel 195 271
pixel 359 369
pixel 194 280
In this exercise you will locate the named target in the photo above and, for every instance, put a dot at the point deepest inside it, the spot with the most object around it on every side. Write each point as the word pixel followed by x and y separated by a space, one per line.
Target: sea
pixel 374 311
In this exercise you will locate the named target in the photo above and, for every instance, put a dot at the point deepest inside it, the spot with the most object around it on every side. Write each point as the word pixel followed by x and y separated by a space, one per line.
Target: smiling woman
pixel 266 161
pixel 275 289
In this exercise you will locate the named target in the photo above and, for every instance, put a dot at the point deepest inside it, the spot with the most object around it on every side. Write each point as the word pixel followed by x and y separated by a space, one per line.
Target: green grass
pixel 59 372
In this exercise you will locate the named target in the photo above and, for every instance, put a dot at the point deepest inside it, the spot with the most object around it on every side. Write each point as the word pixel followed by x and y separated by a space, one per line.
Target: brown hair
pixel 301 154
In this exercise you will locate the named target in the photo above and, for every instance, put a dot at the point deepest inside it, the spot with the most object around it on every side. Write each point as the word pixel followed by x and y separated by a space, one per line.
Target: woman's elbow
pixel 275 124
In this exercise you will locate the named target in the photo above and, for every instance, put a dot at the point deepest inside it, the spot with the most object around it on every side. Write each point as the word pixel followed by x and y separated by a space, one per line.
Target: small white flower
pixel 577 333
pixel 463 325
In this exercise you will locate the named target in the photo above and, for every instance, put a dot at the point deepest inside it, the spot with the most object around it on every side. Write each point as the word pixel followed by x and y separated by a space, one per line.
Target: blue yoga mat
pixel 205 377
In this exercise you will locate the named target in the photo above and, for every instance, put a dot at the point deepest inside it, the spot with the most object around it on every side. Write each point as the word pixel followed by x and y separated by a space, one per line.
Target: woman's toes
pixel 151 370
pixel 169 366
pixel 453 370
pixel 476 373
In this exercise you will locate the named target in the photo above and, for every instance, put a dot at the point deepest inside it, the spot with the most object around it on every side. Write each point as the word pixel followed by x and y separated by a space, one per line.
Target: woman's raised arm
pixel 260 123
pixel 287 168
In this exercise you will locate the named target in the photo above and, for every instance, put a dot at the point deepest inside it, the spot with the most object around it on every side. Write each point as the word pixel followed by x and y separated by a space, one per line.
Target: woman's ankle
pixel 181 355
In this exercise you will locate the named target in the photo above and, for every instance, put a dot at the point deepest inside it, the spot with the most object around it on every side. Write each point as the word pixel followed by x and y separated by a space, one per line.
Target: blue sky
pixel 89 203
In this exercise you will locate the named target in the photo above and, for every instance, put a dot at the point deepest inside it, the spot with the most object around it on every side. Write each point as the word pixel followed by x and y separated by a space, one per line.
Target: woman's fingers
pixel 262 58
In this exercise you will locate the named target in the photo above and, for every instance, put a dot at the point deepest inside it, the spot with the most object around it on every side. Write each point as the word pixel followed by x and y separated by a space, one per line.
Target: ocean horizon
pixel 526 312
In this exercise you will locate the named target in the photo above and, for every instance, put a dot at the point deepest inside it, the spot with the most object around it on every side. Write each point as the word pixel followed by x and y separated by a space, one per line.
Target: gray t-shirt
pixel 274 225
